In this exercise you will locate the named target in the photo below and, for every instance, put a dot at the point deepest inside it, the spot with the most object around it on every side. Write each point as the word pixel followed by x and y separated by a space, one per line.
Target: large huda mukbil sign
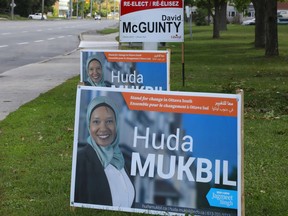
pixel 157 152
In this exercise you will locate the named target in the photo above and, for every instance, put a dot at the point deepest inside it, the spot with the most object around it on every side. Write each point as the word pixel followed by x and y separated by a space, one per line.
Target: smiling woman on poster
pixel 100 174
pixel 94 70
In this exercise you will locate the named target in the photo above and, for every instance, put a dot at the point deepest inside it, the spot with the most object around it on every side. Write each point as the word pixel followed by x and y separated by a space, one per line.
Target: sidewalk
pixel 23 84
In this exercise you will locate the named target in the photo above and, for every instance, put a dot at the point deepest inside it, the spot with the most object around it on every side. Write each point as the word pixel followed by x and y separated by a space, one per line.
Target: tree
pixel 4 4
pixel 206 5
pixel 260 15
pixel 99 2
pixel 220 7
pixel 241 5
pixel 216 19
pixel 219 15
pixel 223 16
pixel 271 31
pixel 200 18
pixel 24 8
pixel 266 31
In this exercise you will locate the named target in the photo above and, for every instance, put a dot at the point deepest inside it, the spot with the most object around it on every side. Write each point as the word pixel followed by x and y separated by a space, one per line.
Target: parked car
pixel 282 14
pixel 37 16
pixel 97 17
pixel 249 22
pixel 282 21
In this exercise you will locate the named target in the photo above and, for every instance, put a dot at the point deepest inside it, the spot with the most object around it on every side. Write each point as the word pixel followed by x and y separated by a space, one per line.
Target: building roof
pixel 282 6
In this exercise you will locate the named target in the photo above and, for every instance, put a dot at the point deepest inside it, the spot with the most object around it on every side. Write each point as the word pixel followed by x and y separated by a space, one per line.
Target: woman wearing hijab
pixel 100 175
pixel 94 71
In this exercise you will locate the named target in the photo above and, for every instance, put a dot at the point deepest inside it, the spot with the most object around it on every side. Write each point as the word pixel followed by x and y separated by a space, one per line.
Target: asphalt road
pixel 26 42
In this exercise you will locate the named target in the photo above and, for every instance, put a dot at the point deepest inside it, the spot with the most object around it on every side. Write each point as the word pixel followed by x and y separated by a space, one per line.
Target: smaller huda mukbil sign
pixel 135 69
pixel 157 152
pixel 151 21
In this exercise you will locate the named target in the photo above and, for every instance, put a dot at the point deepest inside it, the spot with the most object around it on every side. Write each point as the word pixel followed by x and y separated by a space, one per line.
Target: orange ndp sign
pixel 181 104
pixel 136 57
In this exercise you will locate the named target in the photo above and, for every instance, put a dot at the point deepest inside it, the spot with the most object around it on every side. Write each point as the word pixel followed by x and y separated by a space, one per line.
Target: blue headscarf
pixel 110 154
pixel 101 82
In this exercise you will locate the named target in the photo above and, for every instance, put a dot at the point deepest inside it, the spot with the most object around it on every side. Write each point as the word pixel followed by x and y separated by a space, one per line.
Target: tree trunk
pixel 271 48
pixel 260 15
pixel 216 20
pixel 223 15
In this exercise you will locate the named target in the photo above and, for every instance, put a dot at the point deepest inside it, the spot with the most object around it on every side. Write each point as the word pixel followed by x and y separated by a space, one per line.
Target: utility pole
pixel 71 8
pixel 12 9
pixel 42 10
pixel 77 8
pixel 91 5
pixel 114 10
pixel 107 9
pixel 82 12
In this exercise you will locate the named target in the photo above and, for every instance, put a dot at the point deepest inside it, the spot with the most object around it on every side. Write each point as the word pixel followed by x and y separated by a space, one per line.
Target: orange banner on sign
pixel 136 57
pixel 181 104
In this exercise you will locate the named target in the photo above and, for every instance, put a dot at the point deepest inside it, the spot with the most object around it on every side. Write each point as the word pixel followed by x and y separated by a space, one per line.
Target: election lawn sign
pixel 137 69
pixel 182 150
pixel 151 21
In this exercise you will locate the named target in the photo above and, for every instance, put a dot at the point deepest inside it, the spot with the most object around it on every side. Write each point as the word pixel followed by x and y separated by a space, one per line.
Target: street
pixel 26 42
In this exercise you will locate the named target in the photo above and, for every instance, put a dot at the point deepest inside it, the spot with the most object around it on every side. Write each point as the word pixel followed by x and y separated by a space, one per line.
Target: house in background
pixel 233 16
pixel 61 8
pixel 282 9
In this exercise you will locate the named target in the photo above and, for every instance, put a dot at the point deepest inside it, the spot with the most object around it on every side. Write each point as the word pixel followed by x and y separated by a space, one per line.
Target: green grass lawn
pixel 36 141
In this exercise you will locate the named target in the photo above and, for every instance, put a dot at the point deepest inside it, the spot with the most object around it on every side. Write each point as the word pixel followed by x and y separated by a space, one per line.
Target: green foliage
pixel 5 16
pixel 200 17
pixel 36 141
pixel 232 62
pixel 241 5
pixel 24 8
pixel 4 5
pixel 107 31
pixel 100 1
pixel 228 64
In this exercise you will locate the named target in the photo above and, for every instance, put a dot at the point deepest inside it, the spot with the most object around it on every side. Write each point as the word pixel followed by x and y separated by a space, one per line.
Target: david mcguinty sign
pixel 151 21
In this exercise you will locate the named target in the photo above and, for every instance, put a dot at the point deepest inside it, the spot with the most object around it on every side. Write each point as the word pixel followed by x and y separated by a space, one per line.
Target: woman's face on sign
pixel 103 126
pixel 95 71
